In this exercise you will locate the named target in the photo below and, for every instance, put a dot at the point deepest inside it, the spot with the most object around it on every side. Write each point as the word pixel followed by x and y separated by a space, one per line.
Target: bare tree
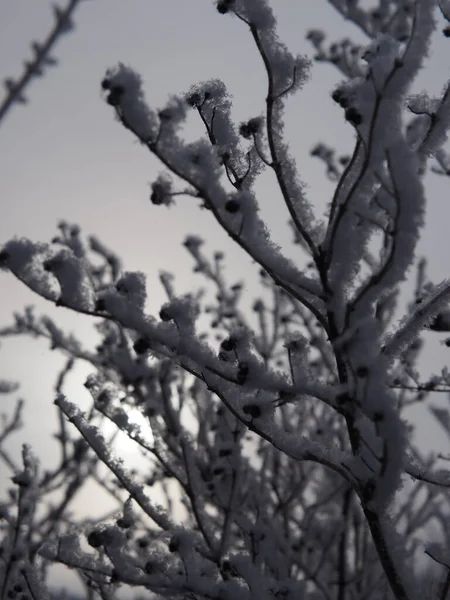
pixel 283 440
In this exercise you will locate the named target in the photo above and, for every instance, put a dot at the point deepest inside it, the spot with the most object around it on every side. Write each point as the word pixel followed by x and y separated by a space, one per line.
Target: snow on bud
pixel 75 284
pixel 101 536
pixel 357 98
pixel 124 92
pixel 172 116
pixel 251 127
pixel 422 103
pixel 316 37
pixel 161 191
pixel 193 243
pixel 194 99
pixel 212 99
pixel 181 542
pixel 132 286
pixel 224 6
pixel 184 311
pixel 381 56
pixel 256 12
pixel 24 259
pixel 22 479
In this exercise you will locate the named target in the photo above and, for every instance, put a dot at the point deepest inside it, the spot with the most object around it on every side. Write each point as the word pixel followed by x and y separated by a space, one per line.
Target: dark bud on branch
pixel 100 305
pixel 339 97
pixel 232 206
pixel 165 114
pixel 159 194
pixel 250 128
pixel 165 314
pixel 194 100
pixel 174 544
pixel 353 116
pixel 115 95
pixel 99 537
pixel 123 523
pixel 224 6
pixel 228 345
pixel 4 257
pixel 258 306
pixel 95 538
pixel 253 410
pixel 141 346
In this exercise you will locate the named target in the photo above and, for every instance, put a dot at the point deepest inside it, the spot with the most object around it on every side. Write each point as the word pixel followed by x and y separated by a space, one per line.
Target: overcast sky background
pixel 64 156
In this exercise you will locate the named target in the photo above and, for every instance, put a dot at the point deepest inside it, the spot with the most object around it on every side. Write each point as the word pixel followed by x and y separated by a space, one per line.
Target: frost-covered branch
pixel 280 431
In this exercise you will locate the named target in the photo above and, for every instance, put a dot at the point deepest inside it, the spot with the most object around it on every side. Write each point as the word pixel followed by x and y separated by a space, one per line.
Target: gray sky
pixel 64 156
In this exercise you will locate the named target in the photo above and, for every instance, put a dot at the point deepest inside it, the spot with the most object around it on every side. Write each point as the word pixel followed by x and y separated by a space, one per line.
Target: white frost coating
pixel 98 444
pixel 286 74
pixel 410 326
pixel 422 103
pixel 294 186
pixel 76 287
pixel 255 235
pixel 257 12
pixel 437 134
pixel 132 286
pixel 130 100
pixel 24 259
pixel 370 392
pixel 344 365
pixel 381 56
pixel 408 194
pixel 212 98
pixel 382 132
pixel 34 583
